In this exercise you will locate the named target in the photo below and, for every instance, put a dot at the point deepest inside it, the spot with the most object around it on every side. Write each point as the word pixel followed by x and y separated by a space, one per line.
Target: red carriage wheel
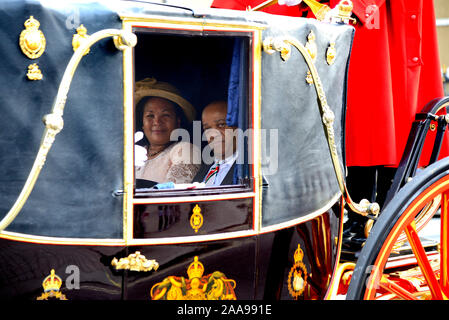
pixel 422 274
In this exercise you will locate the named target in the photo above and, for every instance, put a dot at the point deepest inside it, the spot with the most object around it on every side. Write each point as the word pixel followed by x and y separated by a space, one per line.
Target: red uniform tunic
pixel 394 71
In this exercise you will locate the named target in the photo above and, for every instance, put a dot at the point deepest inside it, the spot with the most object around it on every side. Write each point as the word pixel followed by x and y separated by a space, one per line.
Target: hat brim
pixel 186 106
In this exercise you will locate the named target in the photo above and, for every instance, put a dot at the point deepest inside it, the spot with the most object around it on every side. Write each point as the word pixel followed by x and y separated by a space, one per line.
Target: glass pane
pixel 191 106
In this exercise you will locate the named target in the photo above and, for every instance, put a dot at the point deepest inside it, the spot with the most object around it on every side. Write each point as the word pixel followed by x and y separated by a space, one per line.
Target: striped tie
pixel 210 177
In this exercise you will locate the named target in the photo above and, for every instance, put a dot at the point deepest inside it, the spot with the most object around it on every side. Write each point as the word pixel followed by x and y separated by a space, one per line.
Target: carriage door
pixel 189 241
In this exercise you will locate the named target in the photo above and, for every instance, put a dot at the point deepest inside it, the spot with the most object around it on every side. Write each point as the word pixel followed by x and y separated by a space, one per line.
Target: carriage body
pixel 82 228
pixel 84 214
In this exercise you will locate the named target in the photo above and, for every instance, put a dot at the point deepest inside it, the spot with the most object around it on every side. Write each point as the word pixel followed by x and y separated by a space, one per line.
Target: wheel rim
pixel 406 224
pixel 421 220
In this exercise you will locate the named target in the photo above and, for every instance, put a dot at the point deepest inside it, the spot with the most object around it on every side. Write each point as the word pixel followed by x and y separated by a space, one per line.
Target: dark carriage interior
pixel 198 66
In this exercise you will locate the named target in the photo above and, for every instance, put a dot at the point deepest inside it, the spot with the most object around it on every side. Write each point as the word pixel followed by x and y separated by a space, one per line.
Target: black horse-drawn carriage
pixel 76 224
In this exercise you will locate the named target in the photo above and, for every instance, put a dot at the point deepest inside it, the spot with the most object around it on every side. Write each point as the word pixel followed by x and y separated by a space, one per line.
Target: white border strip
pixel 305 218
pixel 162 200
pixel 193 239
pixel 21 237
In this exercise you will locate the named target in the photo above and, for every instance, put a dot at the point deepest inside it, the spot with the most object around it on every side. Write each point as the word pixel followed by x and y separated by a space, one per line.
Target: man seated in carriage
pixel 222 142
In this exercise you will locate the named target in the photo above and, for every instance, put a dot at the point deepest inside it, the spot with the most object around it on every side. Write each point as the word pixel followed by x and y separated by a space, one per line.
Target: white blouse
pixel 178 163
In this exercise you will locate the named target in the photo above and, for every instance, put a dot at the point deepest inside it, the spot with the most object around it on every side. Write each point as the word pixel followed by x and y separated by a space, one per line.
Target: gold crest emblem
pixel 51 285
pixel 32 40
pixel 196 220
pixel 297 277
pixel 311 46
pixel 312 50
pixel 34 73
pixel 309 78
pixel 214 286
pixel 331 53
pixel 78 38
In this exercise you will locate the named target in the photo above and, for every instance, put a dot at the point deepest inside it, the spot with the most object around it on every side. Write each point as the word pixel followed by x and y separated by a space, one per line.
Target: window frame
pixel 202 28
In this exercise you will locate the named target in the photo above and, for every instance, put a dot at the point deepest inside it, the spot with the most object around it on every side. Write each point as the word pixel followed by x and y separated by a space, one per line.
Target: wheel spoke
pixel 423 261
pixel 392 287
pixel 426 274
pixel 444 242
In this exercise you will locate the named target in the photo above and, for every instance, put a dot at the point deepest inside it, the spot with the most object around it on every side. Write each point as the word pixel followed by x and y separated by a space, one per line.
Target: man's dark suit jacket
pixel 204 169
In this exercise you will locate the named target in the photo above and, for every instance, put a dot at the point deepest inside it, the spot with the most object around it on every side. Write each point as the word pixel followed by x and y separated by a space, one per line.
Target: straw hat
pixel 150 87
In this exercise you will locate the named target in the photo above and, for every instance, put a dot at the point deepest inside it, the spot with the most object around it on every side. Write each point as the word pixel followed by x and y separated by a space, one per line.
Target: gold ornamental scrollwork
pixel 32 40
pixel 297 277
pixel 52 284
pixel 214 286
pixel 135 262
pixel 271 45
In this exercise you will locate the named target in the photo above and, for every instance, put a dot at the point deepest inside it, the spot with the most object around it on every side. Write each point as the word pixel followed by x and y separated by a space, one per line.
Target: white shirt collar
pixel 228 160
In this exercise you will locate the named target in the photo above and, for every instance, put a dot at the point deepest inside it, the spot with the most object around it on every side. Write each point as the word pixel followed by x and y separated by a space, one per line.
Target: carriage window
pixel 192 133
pixel 191 113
